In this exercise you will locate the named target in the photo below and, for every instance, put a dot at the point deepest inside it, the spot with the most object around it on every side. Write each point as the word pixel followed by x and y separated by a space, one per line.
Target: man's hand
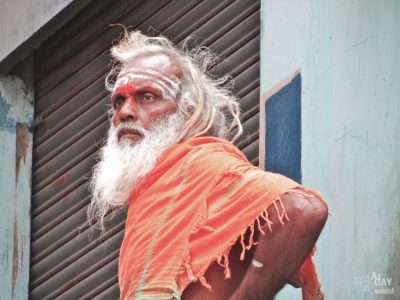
pixel 280 253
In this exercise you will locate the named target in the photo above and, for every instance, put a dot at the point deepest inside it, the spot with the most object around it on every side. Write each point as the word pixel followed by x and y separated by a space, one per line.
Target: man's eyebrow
pixel 114 95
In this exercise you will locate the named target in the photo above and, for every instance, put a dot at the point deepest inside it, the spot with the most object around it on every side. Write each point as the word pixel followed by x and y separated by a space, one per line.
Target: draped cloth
pixel 202 197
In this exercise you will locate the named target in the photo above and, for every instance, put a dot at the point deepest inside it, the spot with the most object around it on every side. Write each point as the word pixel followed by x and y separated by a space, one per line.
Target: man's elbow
pixel 310 213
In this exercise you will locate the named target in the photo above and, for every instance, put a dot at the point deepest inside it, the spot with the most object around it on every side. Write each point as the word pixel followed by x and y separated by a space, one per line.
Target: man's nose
pixel 129 111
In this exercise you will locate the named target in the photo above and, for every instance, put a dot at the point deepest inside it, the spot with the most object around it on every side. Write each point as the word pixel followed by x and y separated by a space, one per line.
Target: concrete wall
pixel 349 56
pixel 16 113
pixel 19 19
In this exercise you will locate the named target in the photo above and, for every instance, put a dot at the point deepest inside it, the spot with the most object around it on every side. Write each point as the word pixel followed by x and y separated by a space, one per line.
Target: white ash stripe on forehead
pixel 172 80
pixel 159 83
pixel 168 92
pixel 129 76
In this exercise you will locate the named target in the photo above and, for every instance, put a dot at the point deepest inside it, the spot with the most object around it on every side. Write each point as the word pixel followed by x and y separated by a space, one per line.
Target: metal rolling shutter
pixel 71 121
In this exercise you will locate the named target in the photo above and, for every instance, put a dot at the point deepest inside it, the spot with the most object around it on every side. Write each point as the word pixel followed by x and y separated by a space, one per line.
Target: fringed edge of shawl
pixel 260 222
pixel 311 288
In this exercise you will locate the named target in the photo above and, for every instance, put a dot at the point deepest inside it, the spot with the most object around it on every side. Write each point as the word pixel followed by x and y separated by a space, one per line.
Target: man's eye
pixel 148 97
pixel 118 102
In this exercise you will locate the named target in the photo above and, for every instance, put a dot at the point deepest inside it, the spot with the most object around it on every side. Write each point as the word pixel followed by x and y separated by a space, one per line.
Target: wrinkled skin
pixel 140 101
pixel 281 252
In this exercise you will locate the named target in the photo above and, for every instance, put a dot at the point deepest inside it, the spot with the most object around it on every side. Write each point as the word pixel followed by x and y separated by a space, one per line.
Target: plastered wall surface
pixel 19 19
pixel 349 56
pixel 16 112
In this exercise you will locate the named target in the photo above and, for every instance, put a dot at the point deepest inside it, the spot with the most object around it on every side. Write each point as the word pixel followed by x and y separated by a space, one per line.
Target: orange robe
pixel 190 210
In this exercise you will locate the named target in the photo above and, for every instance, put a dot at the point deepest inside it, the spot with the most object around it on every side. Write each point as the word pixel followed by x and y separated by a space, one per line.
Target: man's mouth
pixel 129 134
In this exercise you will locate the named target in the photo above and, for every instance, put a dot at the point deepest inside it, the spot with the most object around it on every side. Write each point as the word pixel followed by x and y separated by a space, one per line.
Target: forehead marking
pixel 167 91
pixel 168 85
pixel 172 80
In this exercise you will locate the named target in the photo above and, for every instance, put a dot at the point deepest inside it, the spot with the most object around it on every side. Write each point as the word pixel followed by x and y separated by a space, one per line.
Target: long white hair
pixel 206 101
pixel 206 106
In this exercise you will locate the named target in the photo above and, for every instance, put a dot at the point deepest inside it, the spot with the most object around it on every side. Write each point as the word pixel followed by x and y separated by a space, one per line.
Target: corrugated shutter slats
pixel 68 259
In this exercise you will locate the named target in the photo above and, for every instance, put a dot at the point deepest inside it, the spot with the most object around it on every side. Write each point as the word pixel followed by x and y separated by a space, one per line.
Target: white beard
pixel 123 164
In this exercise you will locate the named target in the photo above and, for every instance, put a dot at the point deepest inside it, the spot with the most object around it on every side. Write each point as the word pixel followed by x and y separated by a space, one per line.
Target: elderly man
pixel 195 202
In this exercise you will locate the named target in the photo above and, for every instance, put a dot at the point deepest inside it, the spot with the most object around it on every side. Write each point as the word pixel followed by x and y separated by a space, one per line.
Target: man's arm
pixel 280 253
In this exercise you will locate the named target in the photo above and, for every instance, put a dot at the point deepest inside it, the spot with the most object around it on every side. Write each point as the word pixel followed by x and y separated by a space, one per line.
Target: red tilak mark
pixel 126 89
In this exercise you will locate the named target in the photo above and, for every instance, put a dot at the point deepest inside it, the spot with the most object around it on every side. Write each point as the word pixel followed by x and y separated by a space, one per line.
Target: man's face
pixel 146 89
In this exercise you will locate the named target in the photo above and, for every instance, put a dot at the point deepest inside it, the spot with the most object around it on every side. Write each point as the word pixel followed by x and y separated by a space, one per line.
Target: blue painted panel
pixel 5 122
pixel 16 112
pixel 283 130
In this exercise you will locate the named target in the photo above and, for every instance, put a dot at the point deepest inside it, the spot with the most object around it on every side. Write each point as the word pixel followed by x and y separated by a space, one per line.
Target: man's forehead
pixel 158 70
pixel 160 62
pixel 146 76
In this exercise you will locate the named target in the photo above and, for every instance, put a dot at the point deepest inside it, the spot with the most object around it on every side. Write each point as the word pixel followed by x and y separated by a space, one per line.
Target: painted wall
pixel 349 56
pixel 19 19
pixel 16 113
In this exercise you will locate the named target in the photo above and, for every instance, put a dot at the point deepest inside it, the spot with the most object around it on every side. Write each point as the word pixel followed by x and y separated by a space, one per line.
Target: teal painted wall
pixel 349 56
pixel 16 112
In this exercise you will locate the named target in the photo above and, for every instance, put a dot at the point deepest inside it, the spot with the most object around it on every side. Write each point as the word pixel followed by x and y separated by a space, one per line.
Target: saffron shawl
pixel 190 210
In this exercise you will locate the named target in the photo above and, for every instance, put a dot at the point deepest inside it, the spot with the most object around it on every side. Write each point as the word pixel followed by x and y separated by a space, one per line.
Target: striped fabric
pixel 202 196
